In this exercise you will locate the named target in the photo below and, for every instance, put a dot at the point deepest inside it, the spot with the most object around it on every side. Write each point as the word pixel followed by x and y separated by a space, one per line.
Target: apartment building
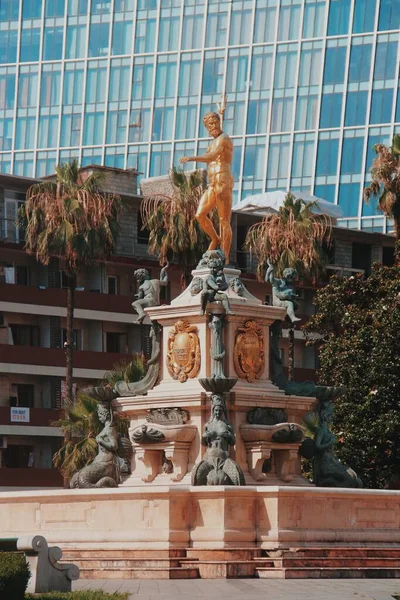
pixel 33 319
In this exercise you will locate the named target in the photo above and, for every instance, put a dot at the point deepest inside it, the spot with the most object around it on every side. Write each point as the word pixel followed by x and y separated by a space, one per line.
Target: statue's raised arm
pixel 164 275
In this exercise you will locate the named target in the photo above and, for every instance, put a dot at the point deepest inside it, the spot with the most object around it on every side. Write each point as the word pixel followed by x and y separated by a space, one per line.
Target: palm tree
pixel 385 184
pixel 175 235
pixel 70 218
pixel 293 237
pixel 80 426
pixel 127 371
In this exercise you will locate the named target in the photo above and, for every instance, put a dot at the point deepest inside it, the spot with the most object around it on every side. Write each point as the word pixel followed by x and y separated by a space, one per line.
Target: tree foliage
pixel 175 234
pixel 385 185
pixel 70 218
pixel 357 323
pixel 293 237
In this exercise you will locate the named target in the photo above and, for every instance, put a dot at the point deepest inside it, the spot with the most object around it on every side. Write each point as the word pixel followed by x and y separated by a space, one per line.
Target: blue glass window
pixel 48 127
pixel 53 43
pixel 98 38
pixel 186 120
pixel 93 128
pixel 327 156
pixel 326 192
pixel 6 133
pixel 23 164
pixel 356 108
pixel 335 59
pixel 76 41
pixel 192 31
pixel 254 159
pixel 166 76
pixel 31 9
pixel 378 135
pixel 145 33
pixel 265 21
pixel 306 110
pixel 9 10
pixel 381 106
pixel 168 34
pixel 163 119
pixel 314 17
pixel 286 65
pixel 217 24
pixel 91 156
pixel 137 159
pixel 257 116
pixel 160 160
pixel 7 87
pixel 189 74
pixel 397 116
pixel 122 37
pixel 45 163
pixel 303 155
pixel 282 114
pixel 389 15
pixel 236 80
pixel 139 125
pixel 30 44
pixel 360 60
pixel 364 16
pixel 119 83
pixel 50 85
pixel 339 17
pixel 213 75
pixel 73 84
pixel 349 195
pixel 55 8
pixel 115 157
pixel 385 59
pixel 289 20
pixel 71 129
pixel 278 161
pixel 261 68
pixel 25 135
pixel 102 7
pixel 240 31
pixel 96 81
pixel 117 121
pixel 28 87
pixel 310 63
pixel 5 163
pixel 331 110
pixel 142 84
pixel 77 7
pixel 352 152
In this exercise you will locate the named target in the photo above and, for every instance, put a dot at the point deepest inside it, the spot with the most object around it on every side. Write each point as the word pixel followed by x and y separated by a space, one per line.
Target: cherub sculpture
pixel 217 468
pixel 214 286
pixel 148 293
pixel 283 291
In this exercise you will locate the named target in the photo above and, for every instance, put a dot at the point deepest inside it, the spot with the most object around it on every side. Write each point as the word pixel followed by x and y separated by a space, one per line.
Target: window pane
pixel 339 17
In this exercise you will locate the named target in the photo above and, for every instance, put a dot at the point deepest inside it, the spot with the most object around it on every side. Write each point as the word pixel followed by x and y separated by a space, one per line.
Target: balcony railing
pixel 55 357
pixel 58 297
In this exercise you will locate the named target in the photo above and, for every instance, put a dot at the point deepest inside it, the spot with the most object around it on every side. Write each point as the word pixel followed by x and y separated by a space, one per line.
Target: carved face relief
pixel 183 351
pixel 248 353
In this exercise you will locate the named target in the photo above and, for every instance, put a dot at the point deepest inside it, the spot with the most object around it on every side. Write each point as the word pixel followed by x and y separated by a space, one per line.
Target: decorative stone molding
pixel 168 416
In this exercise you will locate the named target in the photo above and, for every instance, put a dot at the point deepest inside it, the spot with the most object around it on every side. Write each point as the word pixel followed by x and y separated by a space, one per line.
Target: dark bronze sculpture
pixel 217 468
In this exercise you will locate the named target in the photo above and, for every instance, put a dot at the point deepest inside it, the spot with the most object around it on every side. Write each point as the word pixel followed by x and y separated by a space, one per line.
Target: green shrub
pixel 84 595
pixel 14 575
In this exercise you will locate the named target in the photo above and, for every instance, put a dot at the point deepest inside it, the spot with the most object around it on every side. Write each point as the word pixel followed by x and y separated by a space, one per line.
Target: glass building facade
pixel 311 86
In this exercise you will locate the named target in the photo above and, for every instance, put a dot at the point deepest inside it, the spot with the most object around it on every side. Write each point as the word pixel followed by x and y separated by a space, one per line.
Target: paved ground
pixel 248 589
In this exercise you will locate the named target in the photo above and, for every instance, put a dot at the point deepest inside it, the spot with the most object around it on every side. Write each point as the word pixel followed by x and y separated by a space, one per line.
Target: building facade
pixel 311 86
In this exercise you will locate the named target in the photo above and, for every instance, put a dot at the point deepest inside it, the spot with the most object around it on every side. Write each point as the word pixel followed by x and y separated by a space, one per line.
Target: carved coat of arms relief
pixel 183 351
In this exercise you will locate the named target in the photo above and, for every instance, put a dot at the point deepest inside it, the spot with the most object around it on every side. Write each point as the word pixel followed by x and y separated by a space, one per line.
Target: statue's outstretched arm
pixel 269 275
pixel 164 275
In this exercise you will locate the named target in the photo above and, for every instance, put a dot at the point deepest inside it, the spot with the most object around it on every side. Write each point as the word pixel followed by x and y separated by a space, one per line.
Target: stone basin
pixel 173 433
pixel 264 433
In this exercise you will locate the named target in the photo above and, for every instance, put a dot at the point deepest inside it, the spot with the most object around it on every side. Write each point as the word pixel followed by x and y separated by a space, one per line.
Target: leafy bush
pixel 83 595
pixel 358 325
pixel 14 575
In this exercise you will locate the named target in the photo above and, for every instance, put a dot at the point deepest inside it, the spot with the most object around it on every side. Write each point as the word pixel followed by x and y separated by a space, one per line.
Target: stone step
pixel 337 561
pixel 140 573
pixel 224 569
pixel 335 551
pixel 328 573
pixel 98 562
pixel 72 553
pixel 224 553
